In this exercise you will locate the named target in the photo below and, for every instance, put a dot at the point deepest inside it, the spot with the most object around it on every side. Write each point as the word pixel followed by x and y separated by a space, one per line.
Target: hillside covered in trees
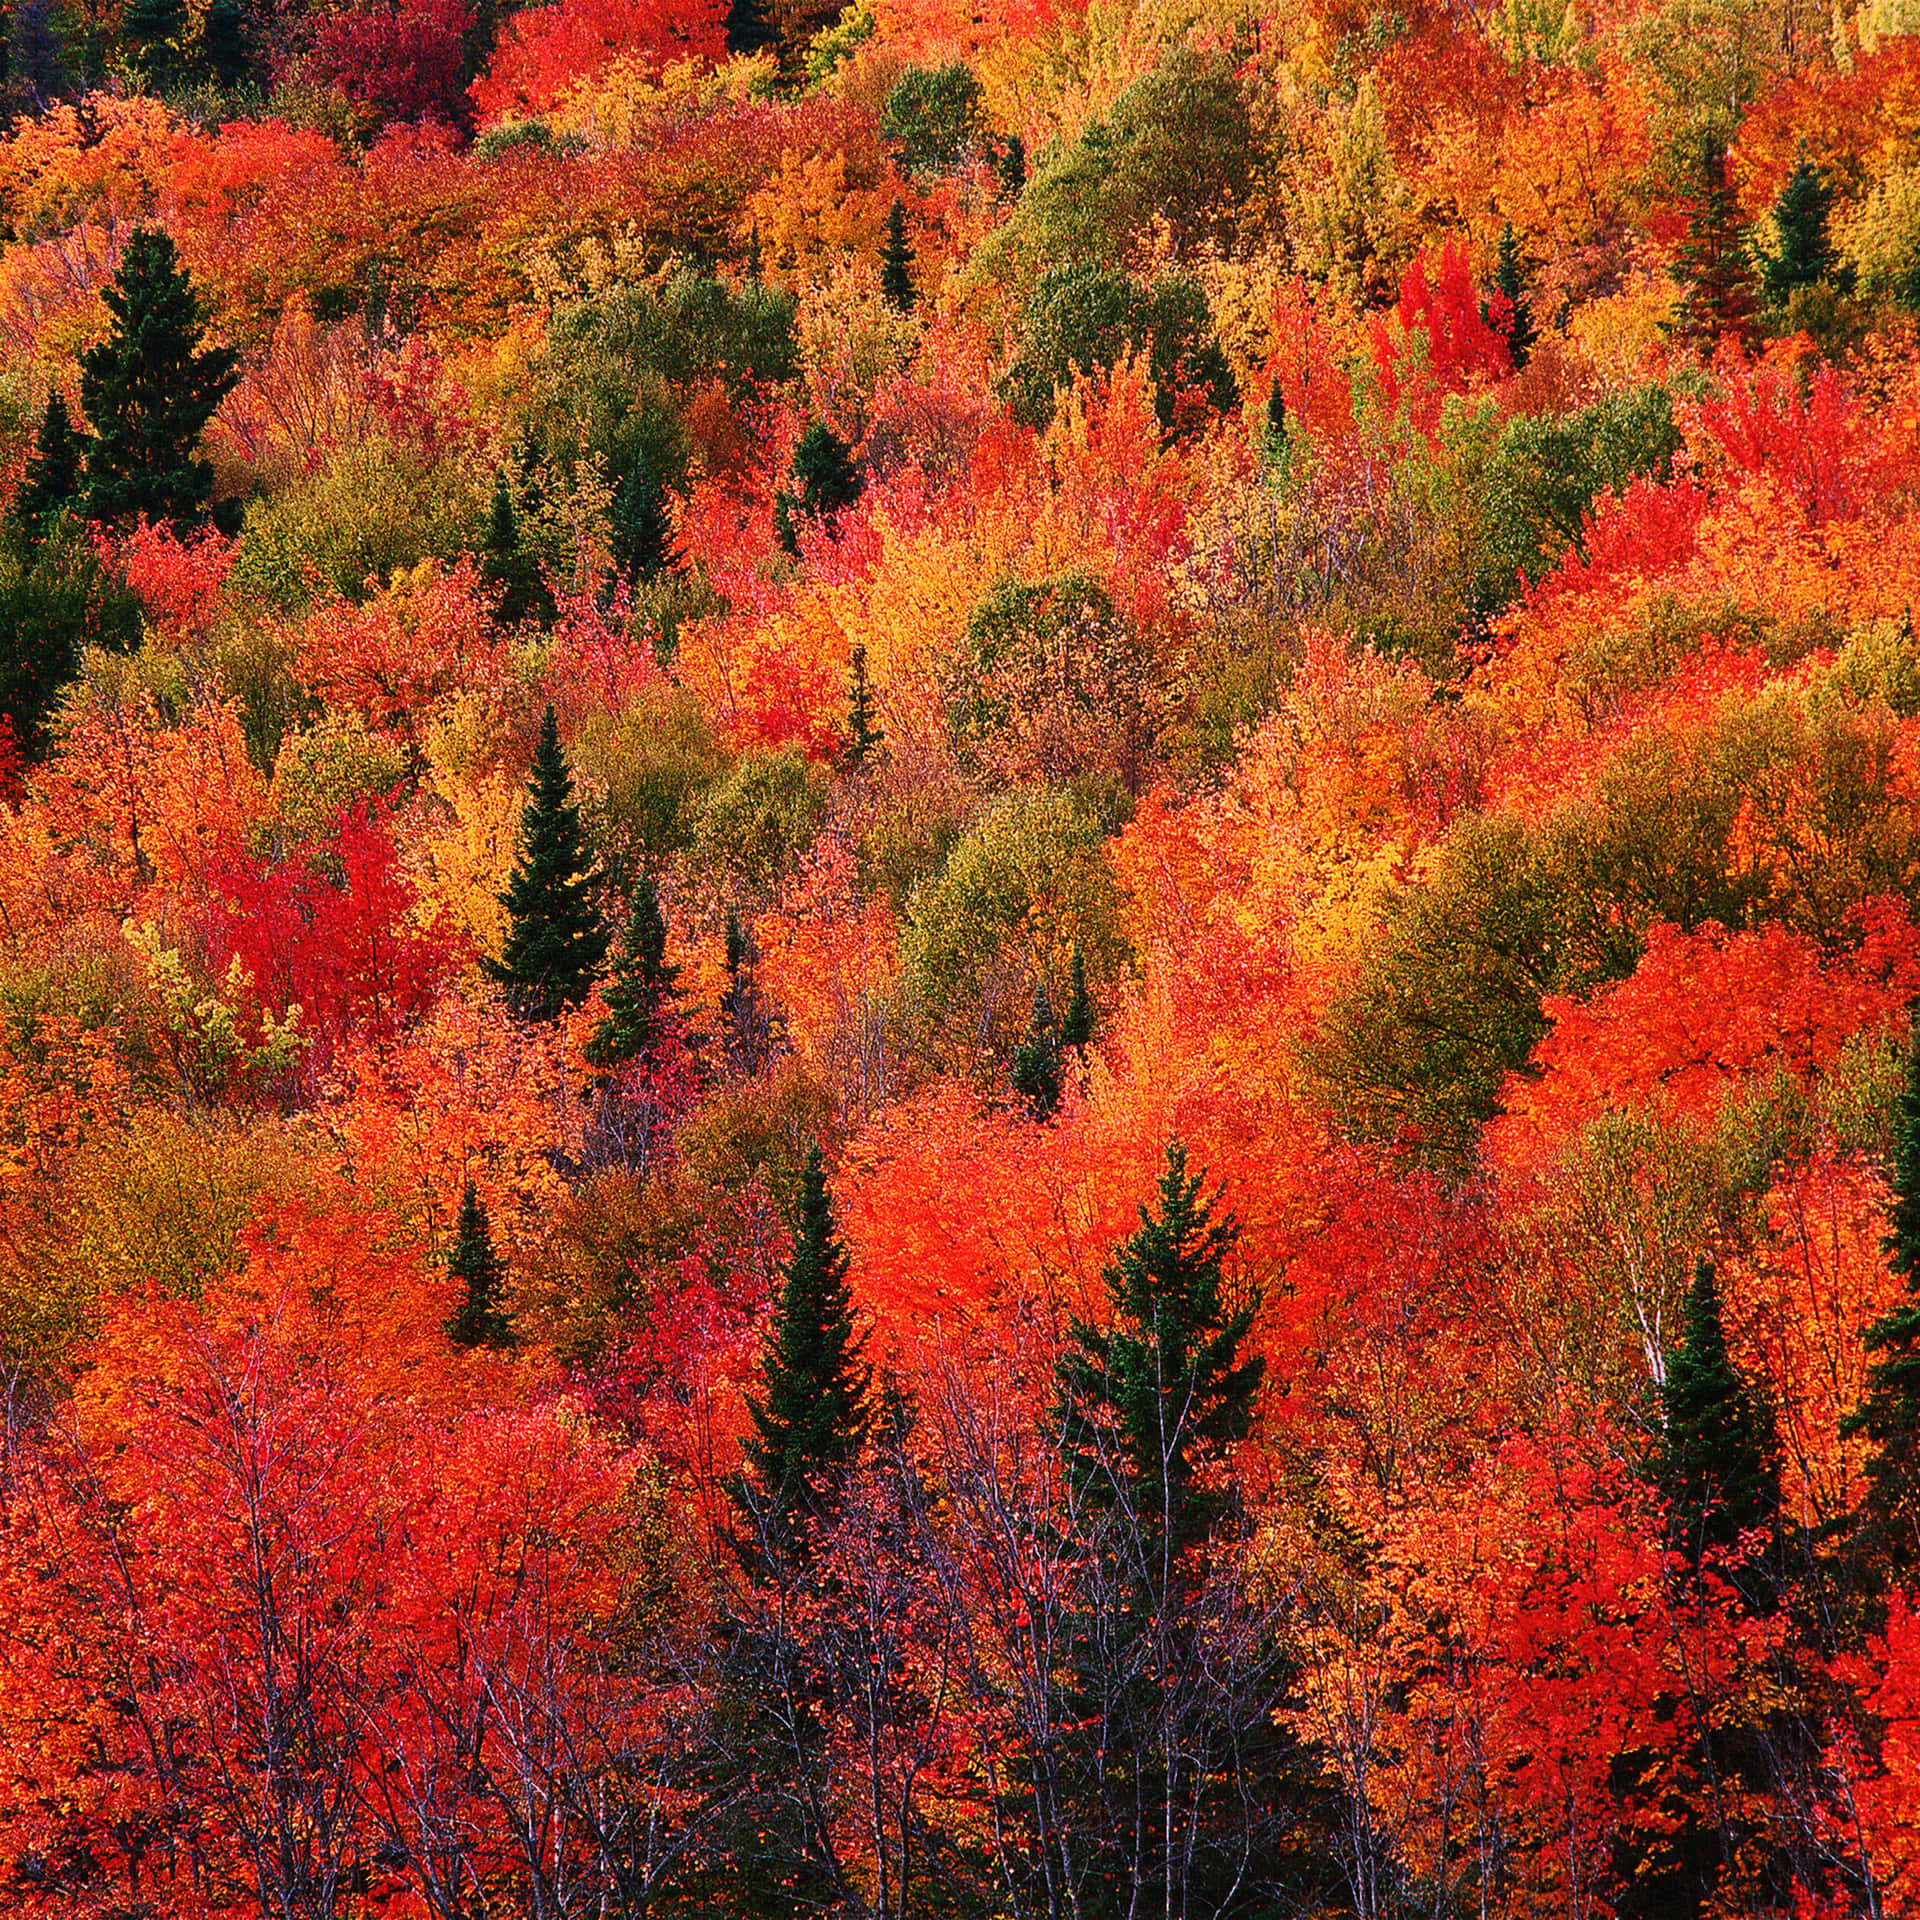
pixel 960 960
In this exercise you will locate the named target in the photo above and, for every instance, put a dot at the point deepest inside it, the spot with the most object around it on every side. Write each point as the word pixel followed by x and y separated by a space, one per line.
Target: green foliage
pixel 1804 256
pixel 1510 283
pixel 52 483
pixel 1027 884
pixel 839 42
pixel 810 1417
pixel 1718 1462
pixel 1712 262
pixel 149 389
pixel 825 482
pixel 639 988
pixel 478 1320
pixel 333 764
pixel 896 261
pixel 648 767
pixel 755 824
pixel 640 535
pixel 1082 319
pixel 864 738
pixel 509 569
pixel 1547 470
pixel 934 114
pixel 555 940
pixel 56 599
pixel 1034 1074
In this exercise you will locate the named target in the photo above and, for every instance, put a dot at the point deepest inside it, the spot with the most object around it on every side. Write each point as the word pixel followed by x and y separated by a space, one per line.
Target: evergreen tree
pixel 1076 1024
pixel 1510 282
pixel 640 989
pixel 1274 433
pixel 863 737
pixel 747 29
pixel 555 941
pixel 52 483
pixel 33 56
pixel 223 44
pixel 810 1417
pixel 1035 1072
pixel 153 30
pixel 1805 256
pixel 478 1320
pixel 641 537
pixel 749 1021
pixel 1888 1523
pixel 1718 1466
pixel 1713 261
pixel 825 479
pixel 506 566
pixel 896 257
pixel 149 389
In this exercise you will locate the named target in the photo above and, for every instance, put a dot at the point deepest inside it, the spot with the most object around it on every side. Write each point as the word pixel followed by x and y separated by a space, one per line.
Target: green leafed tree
pixel 556 943
pixel 825 482
pixel 479 1320
pixel 149 389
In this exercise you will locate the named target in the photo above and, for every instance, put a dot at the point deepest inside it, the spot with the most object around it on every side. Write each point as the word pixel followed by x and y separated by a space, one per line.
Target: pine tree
pixel 1800 215
pixel 149 389
pixel 1274 431
pixel 863 737
pixel 1888 1524
pixel 33 56
pixel 1718 1466
pixel 1510 283
pixel 747 29
pixel 811 1415
pixel 223 43
pixel 555 940
pixel 51 485
pixel 478 1320
pixel 641 986
pixel 640 535
pixel 1713 261
pixel 825 478
pixel 1076 1024
pixel 153 30
pixel 1035 1072
pixel 1144 1403
pixel 896 257
pixel 749 1032
pixel 507 567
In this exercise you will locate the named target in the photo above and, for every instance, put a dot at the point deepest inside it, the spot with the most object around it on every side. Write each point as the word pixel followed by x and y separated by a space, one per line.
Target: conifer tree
pixel 863 736
pixel 478 1321
pixel 811 1415
pixel 1718 1465
pixel 1076 1024
pixel 1035 1072
pixel 1509 281
pixel 896 258
pixel 641 538
pixel 749 1033
pixel 640 988
pixel 223 43
pixel 1805 256
pixel 149 389
pixel 153 30
pixel 507 567
pixel 555 941
pixel 1889 1413
pixel 825 478
pixel 1274 431
pixel 52 483
pixel 1713 261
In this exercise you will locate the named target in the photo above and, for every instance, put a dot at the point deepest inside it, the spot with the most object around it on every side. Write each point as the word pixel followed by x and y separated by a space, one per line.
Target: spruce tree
pixel 1888 1524
pixel 33 56
pixel 153 30
pixel 640 988
pixel 863 736
pixel 749 1034
pixel 478 1321
pixel 52 483
pixel 506 566
pixel 1076 1024
pixel 555 941
pixel 1718 1465
pixel 825 481
pixel 1713 261
pixel 1035 1072
pixel 1509 281
pixel 811 1415
pixel 1805 256
pixel 640 535
pixel 223 43
pixel 896 258
pixel 149 389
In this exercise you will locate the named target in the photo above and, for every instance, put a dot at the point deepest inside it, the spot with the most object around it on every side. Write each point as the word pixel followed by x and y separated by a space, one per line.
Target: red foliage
pixel 545 50
pixel 1457 351
pixel 400 61
pixel 179 581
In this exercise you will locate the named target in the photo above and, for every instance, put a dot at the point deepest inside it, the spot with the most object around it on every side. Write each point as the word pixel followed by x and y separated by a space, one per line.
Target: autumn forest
pixel 959 960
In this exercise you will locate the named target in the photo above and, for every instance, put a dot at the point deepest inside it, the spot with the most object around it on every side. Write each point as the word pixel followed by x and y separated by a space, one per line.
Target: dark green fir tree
pixel 154 31
pixel 810 1417
pixel 639 990
pixel 864 737
pixel 506 566
pixel 896 261
pixel 1273 433
pixel 1718 1465
pixel 55 474
pixel 1887 1527
pixel 825 481
pixel 1719 301
pixel 638 529
pixel 1510 283
pixel 1035 1072
pixel 1800 215
pixel 223 42
pixel 555 943
pixel 479 1320
pixel 1076 1024
pixel 149 389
